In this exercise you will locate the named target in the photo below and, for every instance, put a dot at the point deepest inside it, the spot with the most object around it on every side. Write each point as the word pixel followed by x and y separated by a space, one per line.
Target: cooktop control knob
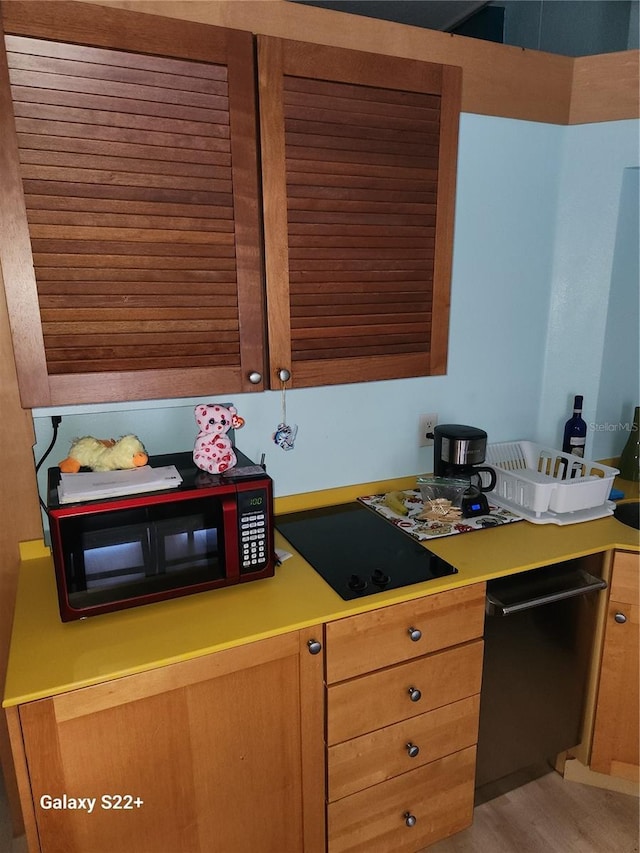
pixel 379 578
pixel 356 583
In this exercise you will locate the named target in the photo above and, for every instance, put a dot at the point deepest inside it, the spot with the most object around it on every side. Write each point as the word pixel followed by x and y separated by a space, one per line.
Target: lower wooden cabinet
pixel 380 755
pixel 403 696
pixel 406 690
pixel 616 737
pixel 212 755
pixel 228 752
pixel 408 812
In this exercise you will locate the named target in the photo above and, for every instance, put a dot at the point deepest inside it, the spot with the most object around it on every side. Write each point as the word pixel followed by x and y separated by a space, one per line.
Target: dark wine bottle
pixel 575 431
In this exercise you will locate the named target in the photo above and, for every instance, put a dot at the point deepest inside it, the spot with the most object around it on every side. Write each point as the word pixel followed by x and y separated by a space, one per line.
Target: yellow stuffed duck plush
pixel 104 454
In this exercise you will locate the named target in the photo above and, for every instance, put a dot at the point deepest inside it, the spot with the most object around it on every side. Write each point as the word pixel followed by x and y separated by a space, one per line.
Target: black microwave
pixel 213 530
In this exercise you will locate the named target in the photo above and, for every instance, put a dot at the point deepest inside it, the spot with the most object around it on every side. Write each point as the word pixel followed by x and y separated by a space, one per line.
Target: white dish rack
pixel 547 486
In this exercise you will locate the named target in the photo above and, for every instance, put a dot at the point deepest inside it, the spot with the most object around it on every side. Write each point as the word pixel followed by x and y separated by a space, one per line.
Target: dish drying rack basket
pixel 544 484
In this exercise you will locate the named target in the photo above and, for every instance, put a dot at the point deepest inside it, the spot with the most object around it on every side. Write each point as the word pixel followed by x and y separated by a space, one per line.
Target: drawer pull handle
pixel 410 819
pixel 314 646
pixel 412 750
pixel 414 694
pixel 415 634
pixel 620 618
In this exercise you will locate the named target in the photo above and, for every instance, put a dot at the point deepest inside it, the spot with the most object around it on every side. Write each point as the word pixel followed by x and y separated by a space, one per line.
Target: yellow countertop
pixel 48 657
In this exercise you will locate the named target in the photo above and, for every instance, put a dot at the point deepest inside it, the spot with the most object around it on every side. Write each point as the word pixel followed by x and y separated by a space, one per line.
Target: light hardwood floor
pixel 549 815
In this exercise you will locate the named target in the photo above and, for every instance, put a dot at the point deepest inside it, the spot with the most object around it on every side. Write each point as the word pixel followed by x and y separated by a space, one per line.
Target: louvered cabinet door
pixel 131 244
pixel 359 157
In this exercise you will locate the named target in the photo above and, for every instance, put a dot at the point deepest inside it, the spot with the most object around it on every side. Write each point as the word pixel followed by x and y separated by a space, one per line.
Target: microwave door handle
pixel 230 523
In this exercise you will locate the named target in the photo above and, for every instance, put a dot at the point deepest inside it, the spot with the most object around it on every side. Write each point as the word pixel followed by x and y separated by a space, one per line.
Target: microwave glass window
pixel 133 552
pixel 108 564
pixel 187 542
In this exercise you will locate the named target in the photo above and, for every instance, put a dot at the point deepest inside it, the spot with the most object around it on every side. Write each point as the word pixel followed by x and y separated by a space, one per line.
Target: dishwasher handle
pixel 587 583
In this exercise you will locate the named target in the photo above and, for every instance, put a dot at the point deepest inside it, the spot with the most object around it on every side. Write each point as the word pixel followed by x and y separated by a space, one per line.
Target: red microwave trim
pixel 228 493
pixel 147 499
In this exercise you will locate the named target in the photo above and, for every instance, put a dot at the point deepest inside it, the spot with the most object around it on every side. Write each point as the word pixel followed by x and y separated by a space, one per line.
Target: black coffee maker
pixel 458 452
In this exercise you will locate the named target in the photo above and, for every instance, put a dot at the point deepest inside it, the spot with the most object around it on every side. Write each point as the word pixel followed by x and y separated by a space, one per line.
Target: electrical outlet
pixel 427 424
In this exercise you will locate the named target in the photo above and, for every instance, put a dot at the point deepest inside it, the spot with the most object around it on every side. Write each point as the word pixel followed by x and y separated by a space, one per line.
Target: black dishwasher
pixel 539 628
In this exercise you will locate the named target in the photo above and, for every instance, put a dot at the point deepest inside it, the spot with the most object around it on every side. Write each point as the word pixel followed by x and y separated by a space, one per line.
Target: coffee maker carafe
pixel 458 452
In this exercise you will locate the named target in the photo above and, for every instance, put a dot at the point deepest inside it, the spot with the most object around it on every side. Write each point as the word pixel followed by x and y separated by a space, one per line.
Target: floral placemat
pixel 422 529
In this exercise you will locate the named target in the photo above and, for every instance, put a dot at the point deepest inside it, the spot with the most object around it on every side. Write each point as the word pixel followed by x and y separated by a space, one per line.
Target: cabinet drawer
pixel 373 758
pixel 382 698
pixel 383 637
pixel 626 576
pixel 439 796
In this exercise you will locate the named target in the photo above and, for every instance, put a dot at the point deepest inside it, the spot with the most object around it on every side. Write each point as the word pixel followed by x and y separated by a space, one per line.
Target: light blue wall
pixel 509 178
pixel 594 161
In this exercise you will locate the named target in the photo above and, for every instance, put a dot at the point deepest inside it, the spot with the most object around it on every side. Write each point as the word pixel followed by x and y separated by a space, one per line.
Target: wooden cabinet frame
pixel 226 337
pixel 134 273
pixel 227 750
pixel 615 747
pixel 403 699
pixel 388 183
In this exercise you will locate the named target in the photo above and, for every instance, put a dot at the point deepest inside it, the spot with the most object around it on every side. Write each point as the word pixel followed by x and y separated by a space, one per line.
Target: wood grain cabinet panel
pixel 222 752
pixel 401 632
pixel 389 695
pixel 358 160
pixel 403 698
pixel 624 580
pixel 616 738
pixel 374 757
pixel 132 255
pixel 134 251
pixel 408 812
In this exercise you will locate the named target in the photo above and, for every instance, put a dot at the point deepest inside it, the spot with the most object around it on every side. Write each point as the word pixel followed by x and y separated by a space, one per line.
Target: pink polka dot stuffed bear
pixel 213 451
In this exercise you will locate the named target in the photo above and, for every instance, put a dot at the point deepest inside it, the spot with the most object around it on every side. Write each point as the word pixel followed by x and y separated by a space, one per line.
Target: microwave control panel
pixel 252 511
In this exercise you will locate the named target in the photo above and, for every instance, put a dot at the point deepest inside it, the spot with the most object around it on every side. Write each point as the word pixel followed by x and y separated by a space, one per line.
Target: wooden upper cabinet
pixel 130 247
pixel 359 157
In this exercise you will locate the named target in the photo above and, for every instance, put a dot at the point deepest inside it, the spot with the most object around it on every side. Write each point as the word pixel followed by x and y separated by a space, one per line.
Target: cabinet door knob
pixel 415 634
pixel 284 375
pixel 255 378
pixel 620 618
pixel 414 694
pixel 314 646
pixel 412 750
pixel 410 819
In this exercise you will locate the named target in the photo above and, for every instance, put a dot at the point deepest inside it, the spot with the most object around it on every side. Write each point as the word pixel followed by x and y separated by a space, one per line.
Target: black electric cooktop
pixel 357 551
